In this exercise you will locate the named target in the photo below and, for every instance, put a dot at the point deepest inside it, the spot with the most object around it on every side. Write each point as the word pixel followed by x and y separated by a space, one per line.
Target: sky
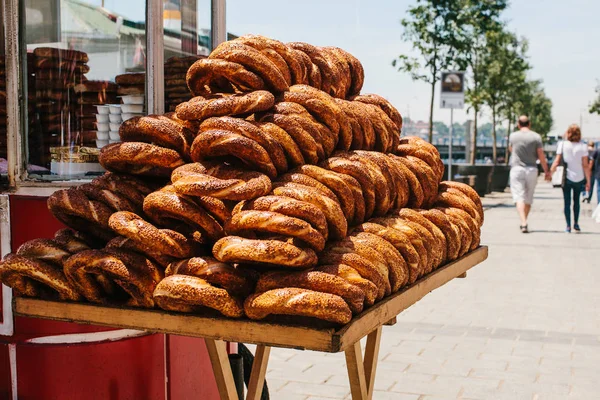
pixel 563 38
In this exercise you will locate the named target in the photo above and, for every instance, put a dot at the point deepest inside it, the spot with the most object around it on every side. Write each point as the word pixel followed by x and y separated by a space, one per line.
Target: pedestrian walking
pixel 573 153
pixel 593 160
pixel 595 173
pixel 525 148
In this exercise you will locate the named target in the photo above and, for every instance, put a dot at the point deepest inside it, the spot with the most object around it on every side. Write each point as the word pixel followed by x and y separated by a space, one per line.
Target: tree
pixel 595 106
pixel 504 60
pixel 537 106
pixel 441 128
pixel 432 28
pixel 477 20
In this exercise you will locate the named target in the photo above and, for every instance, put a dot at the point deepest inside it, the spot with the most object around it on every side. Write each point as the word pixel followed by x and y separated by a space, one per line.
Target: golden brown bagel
pixel 467 191
pixel 220 181
pixel 336 222
pixel 313 280
pixel 317 58
pixel 416 240
pixel 396 265
pixel 139 158
pixel 401 242
pixel 161 130
pixel 32 277
pixel 465 233
pixel 267 252
pixel 237 281
pixel 123 243
pixel 318 103
pixel 72 241
pixel 74 209
pixel 457 199
pixel 290 147
pixel 252 132
pixel 262 43
pixel 416 194
pixel 204 73
pixel 363 266
pixel 334 182
pixel 311 151
pixel 252 60
pixel 433 248
pixel 199 108
pixel 290 207
pixel 385 105
pixel 353 277
pixel 298 302
pixel 415 146
pixel 360 247
pixel 164 241
pixel 302 179
pixel 471 223
pixel 451 232
pixel 439 237
pixel 357 171
pixel 113 277
pixel 115 201
pixel 166 204
pixel 191 294
pixel 321 133
pixel 275 223
pixel 128 186
pixel 220 143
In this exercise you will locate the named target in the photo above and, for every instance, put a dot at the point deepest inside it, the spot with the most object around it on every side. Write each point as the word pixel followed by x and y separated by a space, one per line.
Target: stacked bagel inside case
pixel 277 191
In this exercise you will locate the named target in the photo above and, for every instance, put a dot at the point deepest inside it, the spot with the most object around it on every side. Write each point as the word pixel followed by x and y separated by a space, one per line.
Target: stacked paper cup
pixel 133 106
pixel 102 125
pixel 115 120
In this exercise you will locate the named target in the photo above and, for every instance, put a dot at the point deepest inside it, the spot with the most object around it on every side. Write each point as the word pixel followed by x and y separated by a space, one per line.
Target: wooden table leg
pixel 356 372
pixel 217 350
pixel 371 356
pixel 463 275
pixel 362 373
pixel 259 371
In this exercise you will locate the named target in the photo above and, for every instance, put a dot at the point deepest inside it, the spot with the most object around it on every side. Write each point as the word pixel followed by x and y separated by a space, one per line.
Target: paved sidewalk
pixel 525 324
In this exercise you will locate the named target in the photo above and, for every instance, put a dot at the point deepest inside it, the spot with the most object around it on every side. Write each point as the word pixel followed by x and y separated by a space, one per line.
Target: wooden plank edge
pixel 385 310
pixel 158 321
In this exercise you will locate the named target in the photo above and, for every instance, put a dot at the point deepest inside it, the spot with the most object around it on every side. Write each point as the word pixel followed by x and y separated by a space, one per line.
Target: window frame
pixel 14 39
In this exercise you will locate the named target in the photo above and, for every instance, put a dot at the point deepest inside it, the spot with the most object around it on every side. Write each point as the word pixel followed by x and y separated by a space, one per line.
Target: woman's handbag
pixel 559 176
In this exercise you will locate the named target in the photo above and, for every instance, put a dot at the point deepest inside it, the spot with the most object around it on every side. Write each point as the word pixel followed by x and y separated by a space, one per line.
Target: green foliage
pixel 534 103
pixel 432 27
pixel 595 106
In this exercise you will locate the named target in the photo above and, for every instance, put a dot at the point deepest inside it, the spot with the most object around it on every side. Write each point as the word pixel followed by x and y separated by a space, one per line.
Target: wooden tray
pixel 248 331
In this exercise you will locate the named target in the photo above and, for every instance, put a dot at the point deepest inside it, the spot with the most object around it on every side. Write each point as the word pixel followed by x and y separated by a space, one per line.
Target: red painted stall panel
pixel 128 369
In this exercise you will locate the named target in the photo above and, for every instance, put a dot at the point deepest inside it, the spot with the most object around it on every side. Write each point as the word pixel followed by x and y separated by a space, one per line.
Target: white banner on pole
pixel 453 90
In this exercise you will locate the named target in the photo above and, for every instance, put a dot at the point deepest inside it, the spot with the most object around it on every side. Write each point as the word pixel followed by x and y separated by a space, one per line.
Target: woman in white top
pixel 574 153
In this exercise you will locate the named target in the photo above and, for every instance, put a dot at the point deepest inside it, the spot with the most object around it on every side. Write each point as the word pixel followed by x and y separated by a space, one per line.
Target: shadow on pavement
pixel 557 231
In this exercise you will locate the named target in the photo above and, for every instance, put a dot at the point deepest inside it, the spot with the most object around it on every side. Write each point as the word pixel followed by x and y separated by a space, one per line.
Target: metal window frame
pixel 15 46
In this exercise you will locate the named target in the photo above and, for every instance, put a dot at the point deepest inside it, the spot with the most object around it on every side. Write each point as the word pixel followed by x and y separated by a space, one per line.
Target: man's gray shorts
pixel 522 183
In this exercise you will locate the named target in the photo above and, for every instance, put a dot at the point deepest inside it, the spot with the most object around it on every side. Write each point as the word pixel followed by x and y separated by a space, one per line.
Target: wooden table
pixel 216 331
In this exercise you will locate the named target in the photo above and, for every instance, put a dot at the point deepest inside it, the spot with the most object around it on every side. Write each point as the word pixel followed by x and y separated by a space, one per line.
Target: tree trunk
pixel 430 137
pixel 474 138
pixel 506 155
pixel 494 146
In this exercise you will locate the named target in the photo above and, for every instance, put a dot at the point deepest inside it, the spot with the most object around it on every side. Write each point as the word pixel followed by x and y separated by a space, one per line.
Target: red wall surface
pixel 129 369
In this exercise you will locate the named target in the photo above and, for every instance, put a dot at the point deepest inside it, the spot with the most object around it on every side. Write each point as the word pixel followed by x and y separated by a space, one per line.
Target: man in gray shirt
pixel 525 147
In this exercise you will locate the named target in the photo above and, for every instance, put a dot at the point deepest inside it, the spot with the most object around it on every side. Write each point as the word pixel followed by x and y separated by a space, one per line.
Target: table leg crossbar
pixel 361 373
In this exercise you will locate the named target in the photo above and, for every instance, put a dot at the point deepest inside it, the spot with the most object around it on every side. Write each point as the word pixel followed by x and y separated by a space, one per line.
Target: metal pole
pixel 155 60
pixel 218 23
pixel 450 144
pixel 14 85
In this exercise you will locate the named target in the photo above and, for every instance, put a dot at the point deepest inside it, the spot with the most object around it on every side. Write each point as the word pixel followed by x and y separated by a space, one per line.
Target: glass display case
pixel 83 72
